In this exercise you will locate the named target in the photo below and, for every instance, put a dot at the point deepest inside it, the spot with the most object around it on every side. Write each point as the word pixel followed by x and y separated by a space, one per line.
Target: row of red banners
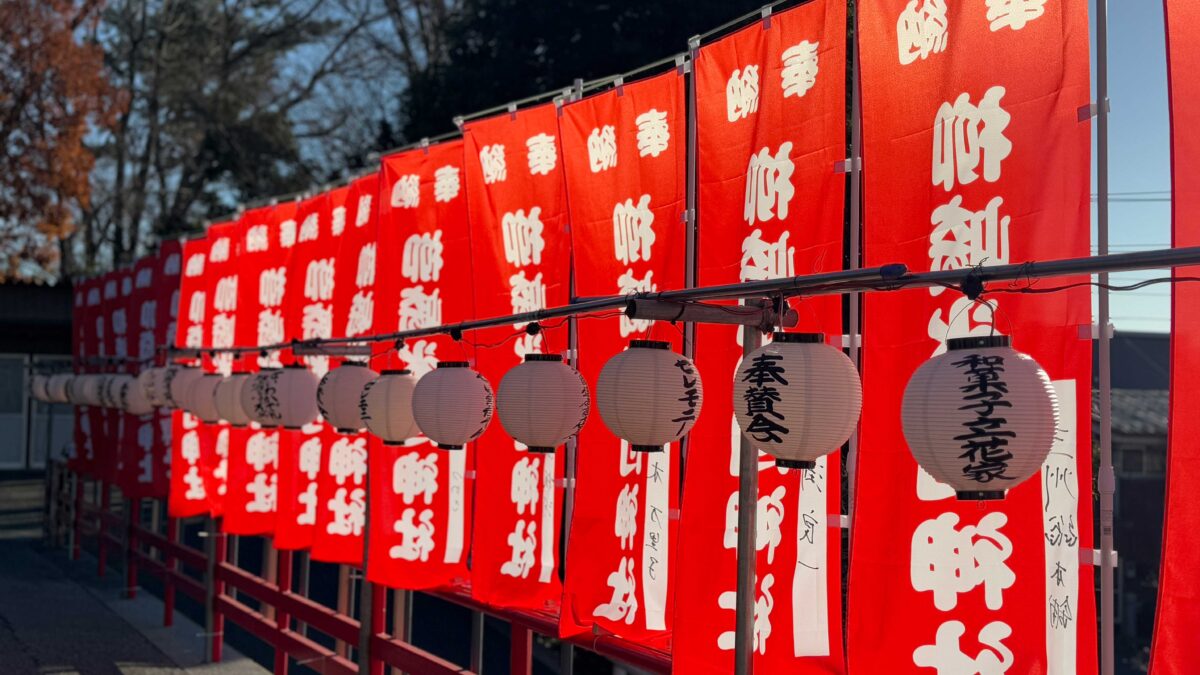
pixel 588 198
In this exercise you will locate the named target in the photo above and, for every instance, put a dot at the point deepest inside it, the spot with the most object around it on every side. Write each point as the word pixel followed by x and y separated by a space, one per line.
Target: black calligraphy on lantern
pixel 760 397
pixel 691 394
pixel 985 444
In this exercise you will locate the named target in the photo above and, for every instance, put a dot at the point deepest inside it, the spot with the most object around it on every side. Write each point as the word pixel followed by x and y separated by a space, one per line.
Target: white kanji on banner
pixel 415 476
pixel 964 134
pixel 417 535
pixel 1013 14
pixel 964 238
pixel 950 561
pixel 491 160
pixel 762 615
pixel 446 183
pixel 653 134
pixel 762 259
pixel 522 233
pixel 769 185
pixel 947 657
pixel 422 259
pixel 633 231
pixel 602 148
pixel 406 192
pixel 741 93
pixel 921 30
pixel 624 605
pixel 543 154
pixel 799 68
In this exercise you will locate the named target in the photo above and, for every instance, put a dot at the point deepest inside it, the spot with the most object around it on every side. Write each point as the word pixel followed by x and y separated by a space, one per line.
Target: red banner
pixel 169 268
pixel 1177 617
pixel 518 211
pixel 79 329
pixel 88 426
pixel 975 155
pixel 342 483
pixel 139 434
pixel 771 127
pixel 421 495
pixel 221 274
pixel 624 154
pixel 262 281
pixel 190 441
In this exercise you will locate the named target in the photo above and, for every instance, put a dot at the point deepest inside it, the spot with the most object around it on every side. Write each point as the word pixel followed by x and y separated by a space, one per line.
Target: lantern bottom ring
pixel 795 463
pixel 545 450
pixel 395 444
pixel 646 448
pixel 347 432
pixel 445 446
pixel 979 495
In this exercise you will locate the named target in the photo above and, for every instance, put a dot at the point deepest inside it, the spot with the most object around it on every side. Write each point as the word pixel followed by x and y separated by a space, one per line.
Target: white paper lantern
pixel 542 402
pixel 88 392
pixel 228 399
pixel 132 399
pixel 453 404
pixel 386 407
pixel 797 398
pixel 201 400
pixel 58 387
pixel 339 395
pixel 284 397
pixel 179 381
pixel 649 395
pixel 981 417
pixel 112 389
pixel 38 387
pixel 78 388
pixel 153 382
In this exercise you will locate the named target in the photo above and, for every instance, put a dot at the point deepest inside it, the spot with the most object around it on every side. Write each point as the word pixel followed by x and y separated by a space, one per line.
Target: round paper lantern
pixel 228 399
pixel 542 402
pixel 58 387
pixel 649 395
pixel 386 407
pixel 797 398
pixel 38 387
pixel 78 388
pixel 112 389
pixel 981 417
pixel 201 398
pixel 153 382
pixel 179 381
pixel 339 395
pixel 132 399
pixel 452 404
pixel 89 390
pixel 284 397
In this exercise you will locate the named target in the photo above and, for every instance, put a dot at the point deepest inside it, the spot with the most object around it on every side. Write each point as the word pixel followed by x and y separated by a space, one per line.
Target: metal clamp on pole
pixel 304 349
pixel 761 314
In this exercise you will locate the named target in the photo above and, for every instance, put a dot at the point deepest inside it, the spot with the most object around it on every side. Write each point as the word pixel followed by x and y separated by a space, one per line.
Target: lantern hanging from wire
pixel 58 387
pixel 201 398
pixel 179 381
pixel 649 395
pixel 112 389
pixel 78 388
pixel 386 407
pixel 285 397
pixel 453 404
pixel 89 391
pixel 980 417
pixel 797 398
pixel 228 399
pixel 340 393
pixel 257 399
pixel 154 384
pixel 132 399
pixel 39 387
pixel 543 402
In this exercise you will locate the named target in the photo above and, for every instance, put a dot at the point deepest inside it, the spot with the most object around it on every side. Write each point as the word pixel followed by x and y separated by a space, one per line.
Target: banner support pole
pixel 747 528
pixel 1106 483
pixel 854 328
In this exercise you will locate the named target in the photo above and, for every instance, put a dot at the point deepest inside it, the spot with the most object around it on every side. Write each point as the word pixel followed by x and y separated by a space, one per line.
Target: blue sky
pixel 1139 155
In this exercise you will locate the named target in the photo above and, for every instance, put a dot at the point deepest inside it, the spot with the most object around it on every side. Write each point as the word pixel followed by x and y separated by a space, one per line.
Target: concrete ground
pixel 57 617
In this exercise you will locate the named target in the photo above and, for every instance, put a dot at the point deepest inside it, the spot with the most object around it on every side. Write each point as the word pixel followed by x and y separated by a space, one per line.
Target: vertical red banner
pixel 421 495
pixel 1177 617
pixel 975 154
pixel 253 487
pixel 140 434
pixel 624 154
pixel 86 349
pixel 190 441
pixel 79 438
pixel 221 275
pixel 517 203
pixel 166 309
pixel 342 483
pixel 118 288
pixel 771 128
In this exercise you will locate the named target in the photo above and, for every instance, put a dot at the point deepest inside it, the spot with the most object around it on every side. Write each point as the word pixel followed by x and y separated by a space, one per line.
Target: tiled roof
pixel 1136 412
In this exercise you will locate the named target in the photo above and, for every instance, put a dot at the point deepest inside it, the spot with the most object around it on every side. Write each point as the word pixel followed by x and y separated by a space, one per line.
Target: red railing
pixel 220 586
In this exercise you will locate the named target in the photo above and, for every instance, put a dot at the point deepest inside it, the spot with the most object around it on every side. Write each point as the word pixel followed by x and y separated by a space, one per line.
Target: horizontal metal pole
pixel 693 312
pixel 875 279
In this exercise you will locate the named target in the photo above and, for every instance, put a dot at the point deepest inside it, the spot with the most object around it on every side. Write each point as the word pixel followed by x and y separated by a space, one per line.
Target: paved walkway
pixel 57 617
